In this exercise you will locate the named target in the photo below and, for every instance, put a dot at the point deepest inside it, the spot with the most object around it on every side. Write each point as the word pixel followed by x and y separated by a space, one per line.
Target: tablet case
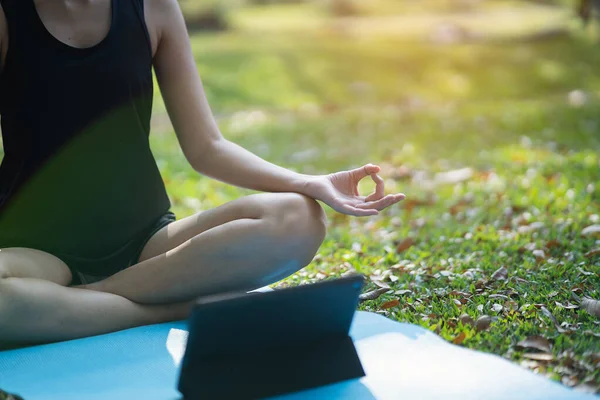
pixel 249 346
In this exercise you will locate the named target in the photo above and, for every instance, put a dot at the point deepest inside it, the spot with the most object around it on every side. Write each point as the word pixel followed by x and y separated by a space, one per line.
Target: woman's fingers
pixel 379 188
pixel 351 210
pixel 364 171
pixel 382 203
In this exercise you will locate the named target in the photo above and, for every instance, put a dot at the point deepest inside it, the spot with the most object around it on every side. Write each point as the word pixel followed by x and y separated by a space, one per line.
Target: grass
pixel 318 102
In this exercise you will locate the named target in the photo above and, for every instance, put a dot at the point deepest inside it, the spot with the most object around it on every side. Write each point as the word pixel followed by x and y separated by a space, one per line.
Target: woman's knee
pixel 299 222
pixel 296 213
pixel 17 262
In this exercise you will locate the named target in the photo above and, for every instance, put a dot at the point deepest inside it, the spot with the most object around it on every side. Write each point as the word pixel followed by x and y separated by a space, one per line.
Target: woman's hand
pixel 340 192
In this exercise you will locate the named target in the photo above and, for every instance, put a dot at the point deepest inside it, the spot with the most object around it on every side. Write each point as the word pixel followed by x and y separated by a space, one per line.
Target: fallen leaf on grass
pixel 373 294
pixel 525 229
pixel 405 245
pixel 418 223
pixel 548 314
pixel 500 274
pixel 527 247
pixel 410 204
pixel 539 255
pixel 588 387
pixel 390 304
pixel 536 342
pixel 592 230
pixel 576 290
pixel 531 364
pixel 570 380
pixel 460 205
pixel 460 338
pixel 515 209
pixel 539 356
pixel 511 306
pixel 584 272
pixel 485 175
pixel 466 319
pixel 378 280
pixel 457 302
pixel 568 306
pixel 552 294
pixel 401 173
pixel 459 293
pixel 483 323
pixel 403 292
pixel 592 252
pixel 349 274
pixel 592 306
pixel 553 244
pixel 454 176
pixel 591 333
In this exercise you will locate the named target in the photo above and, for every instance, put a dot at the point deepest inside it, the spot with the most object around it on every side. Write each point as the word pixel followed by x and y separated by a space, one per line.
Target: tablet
pixel 245 341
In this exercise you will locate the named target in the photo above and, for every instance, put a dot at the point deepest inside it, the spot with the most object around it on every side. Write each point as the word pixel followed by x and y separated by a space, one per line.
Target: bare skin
pixel 242 245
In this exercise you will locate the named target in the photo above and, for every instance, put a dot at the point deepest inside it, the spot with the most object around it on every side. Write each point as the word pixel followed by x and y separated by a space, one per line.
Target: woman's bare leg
pixel 37 307
pixel 242 245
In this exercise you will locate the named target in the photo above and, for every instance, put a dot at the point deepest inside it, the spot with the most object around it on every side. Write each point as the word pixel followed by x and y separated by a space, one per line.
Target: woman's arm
pixel 205 148
pixel 211 154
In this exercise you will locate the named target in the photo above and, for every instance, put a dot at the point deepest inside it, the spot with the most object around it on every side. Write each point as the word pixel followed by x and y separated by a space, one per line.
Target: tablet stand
pixel 273 371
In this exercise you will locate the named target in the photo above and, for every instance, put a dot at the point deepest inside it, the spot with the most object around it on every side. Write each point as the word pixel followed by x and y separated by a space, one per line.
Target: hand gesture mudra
pixel 340 191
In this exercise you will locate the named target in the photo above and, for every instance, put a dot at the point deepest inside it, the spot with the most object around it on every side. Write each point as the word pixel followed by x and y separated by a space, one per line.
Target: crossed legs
pixel 241 245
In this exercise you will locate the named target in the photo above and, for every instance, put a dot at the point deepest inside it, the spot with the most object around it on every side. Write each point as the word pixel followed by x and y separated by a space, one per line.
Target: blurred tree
pixel 587 9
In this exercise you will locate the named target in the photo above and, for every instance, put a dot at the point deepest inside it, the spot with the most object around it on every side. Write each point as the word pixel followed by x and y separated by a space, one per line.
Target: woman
pixel 88 244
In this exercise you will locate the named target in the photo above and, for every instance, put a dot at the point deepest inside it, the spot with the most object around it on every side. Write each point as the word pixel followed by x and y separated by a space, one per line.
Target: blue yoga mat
pixel 402 361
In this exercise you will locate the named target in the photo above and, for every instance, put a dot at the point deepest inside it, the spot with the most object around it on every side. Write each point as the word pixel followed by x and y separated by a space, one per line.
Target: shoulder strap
pixel 138 5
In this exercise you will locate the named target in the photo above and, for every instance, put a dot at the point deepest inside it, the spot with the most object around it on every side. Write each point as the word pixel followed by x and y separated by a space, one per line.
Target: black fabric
pixel 78 178
pixel 125 258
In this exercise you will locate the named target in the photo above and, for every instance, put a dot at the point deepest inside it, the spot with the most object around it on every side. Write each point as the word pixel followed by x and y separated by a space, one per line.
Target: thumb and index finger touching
pixel 372 170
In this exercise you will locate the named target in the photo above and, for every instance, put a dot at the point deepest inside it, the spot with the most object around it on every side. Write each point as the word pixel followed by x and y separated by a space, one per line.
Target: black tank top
pixel 78 176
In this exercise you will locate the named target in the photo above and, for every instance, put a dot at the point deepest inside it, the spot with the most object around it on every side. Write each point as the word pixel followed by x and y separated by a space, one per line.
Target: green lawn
pixel 317 101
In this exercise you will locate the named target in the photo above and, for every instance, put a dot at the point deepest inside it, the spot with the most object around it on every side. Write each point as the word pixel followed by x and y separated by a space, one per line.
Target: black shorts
pixel 87 271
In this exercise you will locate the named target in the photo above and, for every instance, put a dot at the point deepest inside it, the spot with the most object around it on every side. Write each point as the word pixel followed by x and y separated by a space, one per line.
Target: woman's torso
pixel 77 166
